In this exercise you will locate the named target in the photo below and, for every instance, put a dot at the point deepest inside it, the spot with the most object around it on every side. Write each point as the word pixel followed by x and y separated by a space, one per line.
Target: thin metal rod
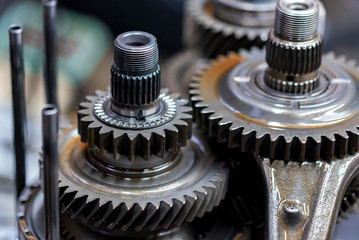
pixel 18 99
pixel 50 70
pixel 50 184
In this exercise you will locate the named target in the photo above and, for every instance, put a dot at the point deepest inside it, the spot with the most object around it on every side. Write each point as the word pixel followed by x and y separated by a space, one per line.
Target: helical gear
pixel 273 139
pixel 214 36
pixel 195 184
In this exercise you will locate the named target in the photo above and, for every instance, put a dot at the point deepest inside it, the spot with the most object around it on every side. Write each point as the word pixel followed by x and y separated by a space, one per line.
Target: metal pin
pixel 50 184
pixel 50 70
pixel 18 99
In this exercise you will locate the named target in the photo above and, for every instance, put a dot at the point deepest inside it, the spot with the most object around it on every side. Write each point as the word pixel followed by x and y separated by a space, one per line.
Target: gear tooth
pixel 144 146
pixel 171 139
pixel 248 139
pixel 145 217
pixel 160 214
pixel 183 134
pixel 132 215
pixel 211 122
pixel 189 202
pixel 209 193
pixel 67 200
pixel 263 145
pixel 103 212
pixel 234 136
pixel 297 149
pixel 172 214
pixel 105 141
pixel 158 143
pixel 353 144
pixel 327 147
pixel 92 135
pixel 89 210
pixel 117 215
pixel 222 131
pixel 133 140
pixel 217 196
pixel 200 196
pixel 341 146
pixel 312 150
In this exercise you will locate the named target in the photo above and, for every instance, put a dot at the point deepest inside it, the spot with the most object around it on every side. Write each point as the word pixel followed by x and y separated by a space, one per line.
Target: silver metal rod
pixel 50 184
pixel 50 70
pixel 18 99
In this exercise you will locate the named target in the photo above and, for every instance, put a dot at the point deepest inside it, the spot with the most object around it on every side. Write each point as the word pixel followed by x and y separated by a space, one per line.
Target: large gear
pixel 272 135
pixel 213 36
pixel 193 183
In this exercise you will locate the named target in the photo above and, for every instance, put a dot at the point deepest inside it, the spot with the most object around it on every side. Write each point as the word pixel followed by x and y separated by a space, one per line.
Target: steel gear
pixel 134 118
pixel 180 68
pixel 220 97
pixel 135 200
pixel 350 199
pixel 233 101
pixel 205 28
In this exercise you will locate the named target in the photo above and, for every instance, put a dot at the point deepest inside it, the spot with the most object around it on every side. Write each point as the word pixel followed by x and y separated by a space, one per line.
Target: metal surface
pixel 18 99
pixel 50 176
pixel 189 183
pixel 50 69
pixel 304 198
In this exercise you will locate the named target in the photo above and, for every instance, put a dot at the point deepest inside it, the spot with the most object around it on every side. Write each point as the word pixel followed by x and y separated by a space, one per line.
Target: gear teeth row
pixel 294 60
pixel 135 91
pixel 133 216
pixel 268 144
pixel 213 36
pixel 131 143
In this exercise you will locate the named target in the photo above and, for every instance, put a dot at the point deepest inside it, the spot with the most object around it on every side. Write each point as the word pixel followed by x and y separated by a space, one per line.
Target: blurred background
pixel 86 29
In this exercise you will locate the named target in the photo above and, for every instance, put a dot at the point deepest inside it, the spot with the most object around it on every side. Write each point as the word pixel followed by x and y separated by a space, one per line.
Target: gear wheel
pixel 118 136
pixel 230 98
pixel 195 185
pixel 213 36
pixel 180 68
pixel 351 197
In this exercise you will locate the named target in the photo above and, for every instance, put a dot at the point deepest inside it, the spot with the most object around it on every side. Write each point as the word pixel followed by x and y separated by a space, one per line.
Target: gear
pixel 134 200
pixel 351 197
pixel 109 133
pixel 233 103
pixel 179 70
pixel 213 36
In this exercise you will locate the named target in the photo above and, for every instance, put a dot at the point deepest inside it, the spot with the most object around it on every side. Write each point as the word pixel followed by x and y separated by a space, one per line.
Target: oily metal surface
pixel 195 185
pixel 232 103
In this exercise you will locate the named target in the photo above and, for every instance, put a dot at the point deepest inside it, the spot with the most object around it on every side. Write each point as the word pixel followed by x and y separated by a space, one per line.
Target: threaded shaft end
pixel 136 53
pixel 296 20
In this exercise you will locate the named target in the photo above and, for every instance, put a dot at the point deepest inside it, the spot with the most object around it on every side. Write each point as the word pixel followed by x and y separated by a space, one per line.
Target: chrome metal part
pixel 189 183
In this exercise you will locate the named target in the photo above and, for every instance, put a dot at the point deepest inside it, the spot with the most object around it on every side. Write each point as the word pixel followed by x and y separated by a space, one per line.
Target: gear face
pixel 213 36
pixel 232 102
pixel 179 69
pixel 186 186
pixel 109 133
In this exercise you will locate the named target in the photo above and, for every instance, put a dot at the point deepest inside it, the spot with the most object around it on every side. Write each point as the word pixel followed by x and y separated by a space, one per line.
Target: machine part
pixel 178 188
pixel 204 29
pixel 294 48
pixel 50 60
pixel 50 127
pixel 30 217
pixel 233 103
pixel 134 118
pixel 179 70
pixel 304 198
pixel 19 107
pixel 350 199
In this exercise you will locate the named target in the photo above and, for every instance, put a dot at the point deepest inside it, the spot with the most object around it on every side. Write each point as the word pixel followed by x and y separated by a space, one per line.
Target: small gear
pixel 179 69
pixel 134 201
pixel 110 133
pixel 213 35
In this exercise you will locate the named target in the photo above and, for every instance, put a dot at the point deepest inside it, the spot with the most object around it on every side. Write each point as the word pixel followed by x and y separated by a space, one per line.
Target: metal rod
pixel 50 184
pixel 18 99
pixel 50 70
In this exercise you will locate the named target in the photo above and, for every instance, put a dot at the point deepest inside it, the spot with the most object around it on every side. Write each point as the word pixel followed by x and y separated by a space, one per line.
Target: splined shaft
pixel 135 74
pixel 294 48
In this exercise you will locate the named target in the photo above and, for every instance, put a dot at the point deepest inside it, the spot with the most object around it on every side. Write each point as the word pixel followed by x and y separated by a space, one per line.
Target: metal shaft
pixel 50 70
pixel 50 184
pixel 18 99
